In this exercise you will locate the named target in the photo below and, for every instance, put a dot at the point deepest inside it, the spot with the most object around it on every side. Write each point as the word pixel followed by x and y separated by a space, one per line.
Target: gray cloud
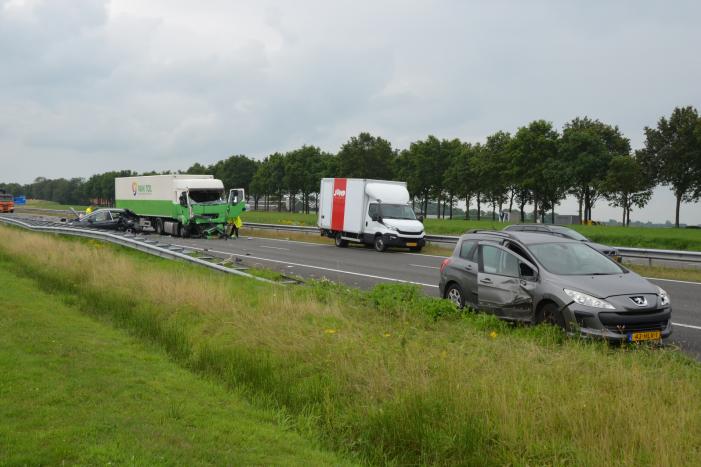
pixel 89 85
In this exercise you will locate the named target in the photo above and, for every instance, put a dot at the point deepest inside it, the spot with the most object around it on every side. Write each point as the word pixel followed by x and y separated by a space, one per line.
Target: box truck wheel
pixel 159 226
pixel 380 243
pixel 340 242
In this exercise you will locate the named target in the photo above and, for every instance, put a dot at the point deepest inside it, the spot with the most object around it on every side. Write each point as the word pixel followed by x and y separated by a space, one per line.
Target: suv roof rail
pixel 500 233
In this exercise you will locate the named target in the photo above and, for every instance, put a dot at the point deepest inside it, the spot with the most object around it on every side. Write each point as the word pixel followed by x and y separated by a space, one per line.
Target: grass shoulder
pixel 78 391
pixel 390 375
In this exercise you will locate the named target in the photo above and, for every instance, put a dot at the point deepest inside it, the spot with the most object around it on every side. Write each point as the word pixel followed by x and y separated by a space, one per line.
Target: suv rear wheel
pixel 455 295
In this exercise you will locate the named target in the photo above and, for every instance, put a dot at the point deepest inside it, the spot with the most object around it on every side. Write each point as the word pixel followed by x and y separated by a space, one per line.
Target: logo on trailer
pixel 338 212
pixel 140 189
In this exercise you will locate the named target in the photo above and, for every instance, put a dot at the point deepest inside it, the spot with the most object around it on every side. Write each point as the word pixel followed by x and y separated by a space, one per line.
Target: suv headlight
pixel 588 300
pixel 664 297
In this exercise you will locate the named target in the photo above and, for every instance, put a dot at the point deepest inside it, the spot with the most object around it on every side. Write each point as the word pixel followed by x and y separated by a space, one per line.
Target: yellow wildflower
pixel 493 334
pixel 330 331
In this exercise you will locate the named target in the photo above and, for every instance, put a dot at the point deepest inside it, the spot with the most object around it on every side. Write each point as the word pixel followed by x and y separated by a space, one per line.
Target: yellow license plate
pixel 645 336
pixel 411 244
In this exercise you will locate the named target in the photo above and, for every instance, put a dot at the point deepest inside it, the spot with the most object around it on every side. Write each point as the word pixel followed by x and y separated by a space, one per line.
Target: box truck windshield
pixel 206 196
pixel 392 211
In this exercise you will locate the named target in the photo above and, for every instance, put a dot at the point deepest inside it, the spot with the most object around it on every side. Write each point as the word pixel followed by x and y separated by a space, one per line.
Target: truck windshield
pixel 397 211
pixel 206 196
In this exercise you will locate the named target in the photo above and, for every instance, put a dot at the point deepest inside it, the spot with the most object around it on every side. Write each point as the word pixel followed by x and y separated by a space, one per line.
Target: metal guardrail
pixel 626 252
pixel 136 242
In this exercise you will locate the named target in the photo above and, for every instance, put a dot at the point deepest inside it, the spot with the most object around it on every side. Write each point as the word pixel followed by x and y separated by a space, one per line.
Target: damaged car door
pixel 505 283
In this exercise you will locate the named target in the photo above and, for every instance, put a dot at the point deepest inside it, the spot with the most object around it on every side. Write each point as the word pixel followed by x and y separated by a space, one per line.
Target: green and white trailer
pixel 180 205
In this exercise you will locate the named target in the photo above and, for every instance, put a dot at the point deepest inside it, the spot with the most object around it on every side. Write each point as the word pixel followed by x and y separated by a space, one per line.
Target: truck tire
pixel 159 226
pixel 380 244
pixel 339 241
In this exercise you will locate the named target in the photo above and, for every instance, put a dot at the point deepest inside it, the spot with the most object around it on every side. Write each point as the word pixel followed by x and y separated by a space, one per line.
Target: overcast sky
pixel 88 86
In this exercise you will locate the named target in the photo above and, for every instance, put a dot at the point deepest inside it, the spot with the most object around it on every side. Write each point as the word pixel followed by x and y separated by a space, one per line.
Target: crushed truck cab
pixel 180 205
pixel 374 212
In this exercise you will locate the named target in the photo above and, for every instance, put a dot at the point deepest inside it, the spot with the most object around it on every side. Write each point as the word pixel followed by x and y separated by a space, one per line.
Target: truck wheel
pixel 340 242
pixel 380 243
pixel 159 226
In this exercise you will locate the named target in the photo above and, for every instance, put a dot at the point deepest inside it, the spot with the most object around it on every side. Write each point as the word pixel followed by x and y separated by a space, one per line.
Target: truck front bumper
pixel 405 242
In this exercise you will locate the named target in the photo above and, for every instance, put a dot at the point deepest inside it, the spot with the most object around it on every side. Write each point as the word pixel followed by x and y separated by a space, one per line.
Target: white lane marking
pixel 325 245
pixel 427 267
pixel 274 247
pixel 686 326
pixel 672 280
pixel 371 276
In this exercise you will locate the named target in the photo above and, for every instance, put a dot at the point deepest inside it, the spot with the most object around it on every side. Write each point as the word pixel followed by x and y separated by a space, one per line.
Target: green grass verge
pixel 78 391
pixel 390 375
pixel 635 237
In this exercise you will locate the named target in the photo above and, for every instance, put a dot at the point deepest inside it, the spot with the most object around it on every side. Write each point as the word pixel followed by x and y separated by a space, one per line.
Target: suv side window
pixel 466 249
pixel 497 261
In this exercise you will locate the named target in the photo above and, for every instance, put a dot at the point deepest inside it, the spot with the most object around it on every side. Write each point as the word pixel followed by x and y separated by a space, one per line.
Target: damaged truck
pixel 182 205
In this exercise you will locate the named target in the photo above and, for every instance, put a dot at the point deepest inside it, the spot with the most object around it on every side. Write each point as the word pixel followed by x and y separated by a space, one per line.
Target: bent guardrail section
pixel 136 242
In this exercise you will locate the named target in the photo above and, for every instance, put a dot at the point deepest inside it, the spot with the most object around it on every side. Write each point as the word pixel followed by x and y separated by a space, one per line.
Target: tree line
pixel 537 166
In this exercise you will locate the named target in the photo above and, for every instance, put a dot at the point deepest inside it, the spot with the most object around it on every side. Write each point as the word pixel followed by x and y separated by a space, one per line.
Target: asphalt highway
pixel 363 267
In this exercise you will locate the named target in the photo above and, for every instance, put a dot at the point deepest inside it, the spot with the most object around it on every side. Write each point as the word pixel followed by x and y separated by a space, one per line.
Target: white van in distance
pixel 374 212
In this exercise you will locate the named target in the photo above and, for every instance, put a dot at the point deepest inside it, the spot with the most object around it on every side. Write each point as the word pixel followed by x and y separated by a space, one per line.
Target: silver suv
pixel 532 277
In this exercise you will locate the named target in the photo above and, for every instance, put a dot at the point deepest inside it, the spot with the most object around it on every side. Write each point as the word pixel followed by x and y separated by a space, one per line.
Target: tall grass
pixel 389 375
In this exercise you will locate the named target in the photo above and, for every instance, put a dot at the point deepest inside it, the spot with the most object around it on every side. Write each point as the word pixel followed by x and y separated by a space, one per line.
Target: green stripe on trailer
pixel 155 208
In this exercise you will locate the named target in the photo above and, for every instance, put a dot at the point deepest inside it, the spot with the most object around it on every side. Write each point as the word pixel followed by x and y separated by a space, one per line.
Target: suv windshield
pixel 569 233
pixel 396 211
pixel 573 259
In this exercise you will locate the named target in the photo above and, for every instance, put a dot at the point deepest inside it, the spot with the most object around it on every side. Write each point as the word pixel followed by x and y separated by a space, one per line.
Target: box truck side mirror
pixel 420 218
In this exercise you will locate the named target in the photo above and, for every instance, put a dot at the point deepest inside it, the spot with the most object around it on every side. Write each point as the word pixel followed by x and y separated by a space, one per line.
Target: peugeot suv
pixel 535 278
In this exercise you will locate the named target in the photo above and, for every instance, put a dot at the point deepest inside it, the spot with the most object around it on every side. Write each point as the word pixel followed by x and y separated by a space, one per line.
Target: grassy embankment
pixel 78 391
pixel 389 376
pixel 637 237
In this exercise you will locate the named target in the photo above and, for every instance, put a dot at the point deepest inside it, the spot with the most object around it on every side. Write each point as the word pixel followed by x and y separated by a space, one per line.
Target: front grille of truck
pixel 404 232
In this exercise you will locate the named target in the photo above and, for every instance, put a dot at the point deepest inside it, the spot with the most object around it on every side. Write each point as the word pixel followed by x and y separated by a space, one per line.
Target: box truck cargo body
pixel 374 212
pixel 180 205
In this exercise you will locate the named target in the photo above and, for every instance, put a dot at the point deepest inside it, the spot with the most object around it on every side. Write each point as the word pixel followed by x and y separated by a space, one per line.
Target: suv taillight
pixel 445 263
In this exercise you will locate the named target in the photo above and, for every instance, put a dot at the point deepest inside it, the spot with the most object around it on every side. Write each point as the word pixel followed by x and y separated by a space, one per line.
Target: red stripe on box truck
pixel 339 204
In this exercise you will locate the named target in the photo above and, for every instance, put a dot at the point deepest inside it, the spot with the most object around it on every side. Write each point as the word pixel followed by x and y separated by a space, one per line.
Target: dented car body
pixel 535 278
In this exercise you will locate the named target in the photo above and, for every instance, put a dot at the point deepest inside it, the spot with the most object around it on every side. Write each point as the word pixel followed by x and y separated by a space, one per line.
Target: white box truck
pixel 180 204
pixel 374 212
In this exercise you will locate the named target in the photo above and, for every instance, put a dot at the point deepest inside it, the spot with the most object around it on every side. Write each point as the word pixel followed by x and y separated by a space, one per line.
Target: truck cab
pixel 7 202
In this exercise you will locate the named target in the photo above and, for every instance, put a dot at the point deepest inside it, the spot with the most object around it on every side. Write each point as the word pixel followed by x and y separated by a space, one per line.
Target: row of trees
pixel 537 166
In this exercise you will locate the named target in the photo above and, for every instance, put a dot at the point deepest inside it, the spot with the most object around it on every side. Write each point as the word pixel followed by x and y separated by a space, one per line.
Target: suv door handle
pixel 486 281
pixel 468 267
